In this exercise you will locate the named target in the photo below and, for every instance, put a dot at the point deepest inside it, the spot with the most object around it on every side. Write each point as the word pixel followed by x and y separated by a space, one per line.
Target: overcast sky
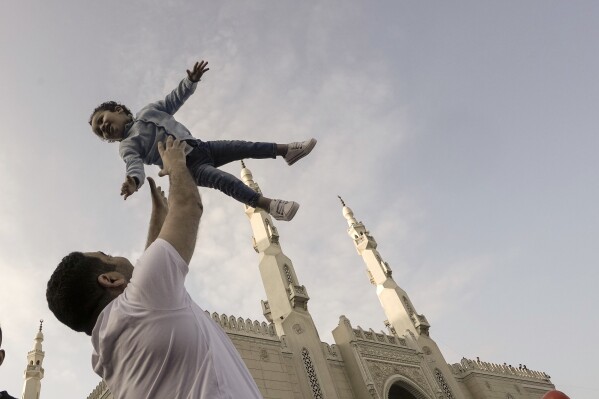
pixel 462 133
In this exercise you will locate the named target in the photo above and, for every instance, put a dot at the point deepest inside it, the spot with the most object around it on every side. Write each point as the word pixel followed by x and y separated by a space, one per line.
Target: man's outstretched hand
pixel 159 201
pixel 197 71
pixel 159 211
pixel 173 155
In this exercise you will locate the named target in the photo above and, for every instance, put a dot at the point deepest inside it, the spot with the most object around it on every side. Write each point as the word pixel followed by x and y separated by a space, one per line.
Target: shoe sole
pixel 290 214
pixel 300 155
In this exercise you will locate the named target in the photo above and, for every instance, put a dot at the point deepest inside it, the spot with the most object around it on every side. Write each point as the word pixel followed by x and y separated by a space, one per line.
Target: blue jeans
pixel 207 156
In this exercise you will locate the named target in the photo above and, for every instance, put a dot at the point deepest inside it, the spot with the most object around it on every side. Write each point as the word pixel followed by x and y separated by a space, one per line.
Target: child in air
pixel 139 137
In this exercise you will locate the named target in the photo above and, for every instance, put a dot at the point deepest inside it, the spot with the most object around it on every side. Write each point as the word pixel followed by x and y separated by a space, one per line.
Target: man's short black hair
pixel 109 106
pixel 74 294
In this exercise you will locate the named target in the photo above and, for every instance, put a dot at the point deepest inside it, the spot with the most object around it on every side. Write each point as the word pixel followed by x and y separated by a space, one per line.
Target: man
pixel 3 394
pixel 150 339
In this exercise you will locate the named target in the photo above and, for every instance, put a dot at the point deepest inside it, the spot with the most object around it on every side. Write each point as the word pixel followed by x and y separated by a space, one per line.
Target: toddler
pixel 139 136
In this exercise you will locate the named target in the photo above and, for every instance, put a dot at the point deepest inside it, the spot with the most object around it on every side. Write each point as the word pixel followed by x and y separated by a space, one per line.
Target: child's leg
pixel 206 175
pixel 225 151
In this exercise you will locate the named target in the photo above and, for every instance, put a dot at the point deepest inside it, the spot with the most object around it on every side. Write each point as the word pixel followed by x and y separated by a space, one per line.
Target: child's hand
pixel 128 187
pixel 198 70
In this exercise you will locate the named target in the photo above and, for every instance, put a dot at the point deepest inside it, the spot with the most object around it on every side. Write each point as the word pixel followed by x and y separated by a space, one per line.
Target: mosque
pixel 288 360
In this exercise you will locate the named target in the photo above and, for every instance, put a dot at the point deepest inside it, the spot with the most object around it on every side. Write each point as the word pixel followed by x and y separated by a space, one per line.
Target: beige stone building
pixel 289 361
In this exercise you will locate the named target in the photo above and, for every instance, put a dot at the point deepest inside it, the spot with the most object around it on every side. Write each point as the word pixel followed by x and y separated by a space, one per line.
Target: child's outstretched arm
pixel 131 153
pixel 175 99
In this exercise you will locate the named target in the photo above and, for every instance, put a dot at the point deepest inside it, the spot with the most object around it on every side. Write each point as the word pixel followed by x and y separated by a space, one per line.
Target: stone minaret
pixel 287 304
pixel 34 371
pixel 401 313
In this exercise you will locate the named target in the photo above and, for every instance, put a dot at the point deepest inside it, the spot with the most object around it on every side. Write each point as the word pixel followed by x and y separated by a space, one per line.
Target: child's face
pixel 110 124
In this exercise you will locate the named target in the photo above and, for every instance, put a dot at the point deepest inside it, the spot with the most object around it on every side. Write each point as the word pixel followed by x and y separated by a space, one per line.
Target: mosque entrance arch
pixel 399 392
pixel 400 388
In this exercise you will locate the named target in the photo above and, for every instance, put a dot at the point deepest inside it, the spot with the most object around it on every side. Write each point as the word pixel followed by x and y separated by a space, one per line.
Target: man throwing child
pixel 150 339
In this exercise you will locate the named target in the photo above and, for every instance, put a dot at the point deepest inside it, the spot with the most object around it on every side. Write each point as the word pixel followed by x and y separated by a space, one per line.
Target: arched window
pixel 312 377
pixel 288 274
pixel 443 384
pixel 408 305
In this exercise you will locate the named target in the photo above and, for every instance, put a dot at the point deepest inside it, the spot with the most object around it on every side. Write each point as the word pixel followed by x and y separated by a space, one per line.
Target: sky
pixel 463 135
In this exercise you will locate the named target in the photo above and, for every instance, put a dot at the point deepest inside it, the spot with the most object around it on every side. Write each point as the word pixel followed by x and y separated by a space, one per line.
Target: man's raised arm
pixel 180 227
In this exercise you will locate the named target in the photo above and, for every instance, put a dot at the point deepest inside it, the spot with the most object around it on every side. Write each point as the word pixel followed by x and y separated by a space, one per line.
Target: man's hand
pixel 172 154
pixel 159 211
pixel 128 187
pixel 198 70
pixel 159 201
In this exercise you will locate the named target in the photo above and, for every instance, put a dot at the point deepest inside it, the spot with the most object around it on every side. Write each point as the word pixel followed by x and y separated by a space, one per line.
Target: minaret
pixel 34 371
pixel 287 303
pixel 401 313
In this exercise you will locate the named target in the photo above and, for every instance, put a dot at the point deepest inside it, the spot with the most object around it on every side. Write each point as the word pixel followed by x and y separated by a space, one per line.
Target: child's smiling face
pixel 110 125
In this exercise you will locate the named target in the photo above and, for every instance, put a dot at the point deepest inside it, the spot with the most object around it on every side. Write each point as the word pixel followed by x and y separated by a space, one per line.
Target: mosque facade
pixel 288 360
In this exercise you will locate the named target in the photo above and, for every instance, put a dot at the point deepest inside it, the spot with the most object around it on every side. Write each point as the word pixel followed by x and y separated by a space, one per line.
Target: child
pixel 139 138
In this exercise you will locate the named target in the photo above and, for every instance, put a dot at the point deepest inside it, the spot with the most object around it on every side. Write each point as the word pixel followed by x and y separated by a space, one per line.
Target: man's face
pixel 110 124
pixel 122 265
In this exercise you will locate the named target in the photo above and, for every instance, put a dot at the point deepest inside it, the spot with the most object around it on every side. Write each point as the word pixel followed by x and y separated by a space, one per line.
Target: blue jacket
pixel 151 126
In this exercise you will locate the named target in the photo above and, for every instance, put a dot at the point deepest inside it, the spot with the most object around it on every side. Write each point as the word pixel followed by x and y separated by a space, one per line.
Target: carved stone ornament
pixel 297 328
pixel 383 354
pixel 426 350
pixel 372 390
pixel 264 355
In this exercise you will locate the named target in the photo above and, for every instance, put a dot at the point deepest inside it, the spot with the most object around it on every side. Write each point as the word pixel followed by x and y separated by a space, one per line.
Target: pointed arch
pixel 400 387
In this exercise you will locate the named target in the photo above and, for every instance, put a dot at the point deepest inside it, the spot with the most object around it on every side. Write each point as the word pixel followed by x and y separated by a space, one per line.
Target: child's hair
pixel 109 106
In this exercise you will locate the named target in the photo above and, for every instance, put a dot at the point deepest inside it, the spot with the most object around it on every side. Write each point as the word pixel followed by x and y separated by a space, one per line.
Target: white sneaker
pixel 283 210
pixel 298 150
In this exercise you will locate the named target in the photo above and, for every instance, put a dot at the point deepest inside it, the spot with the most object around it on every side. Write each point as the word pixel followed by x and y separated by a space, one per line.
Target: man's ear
pixel 112 280
pixel 1 356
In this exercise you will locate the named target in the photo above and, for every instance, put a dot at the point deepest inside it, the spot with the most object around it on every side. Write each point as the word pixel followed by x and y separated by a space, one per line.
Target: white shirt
pixel 154 341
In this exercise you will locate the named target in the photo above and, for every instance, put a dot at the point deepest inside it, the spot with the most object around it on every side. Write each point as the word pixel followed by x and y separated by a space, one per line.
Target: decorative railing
pixel 468 365
pixel 381 337
pixel 331 351
pixel 239 325
pixel 99 392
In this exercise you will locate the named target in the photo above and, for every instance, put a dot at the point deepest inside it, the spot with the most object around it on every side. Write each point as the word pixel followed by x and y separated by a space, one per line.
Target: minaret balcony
pixel 365 242
pixel 35 372
pixel 421 324
pixel 298 296
pixel 266 311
